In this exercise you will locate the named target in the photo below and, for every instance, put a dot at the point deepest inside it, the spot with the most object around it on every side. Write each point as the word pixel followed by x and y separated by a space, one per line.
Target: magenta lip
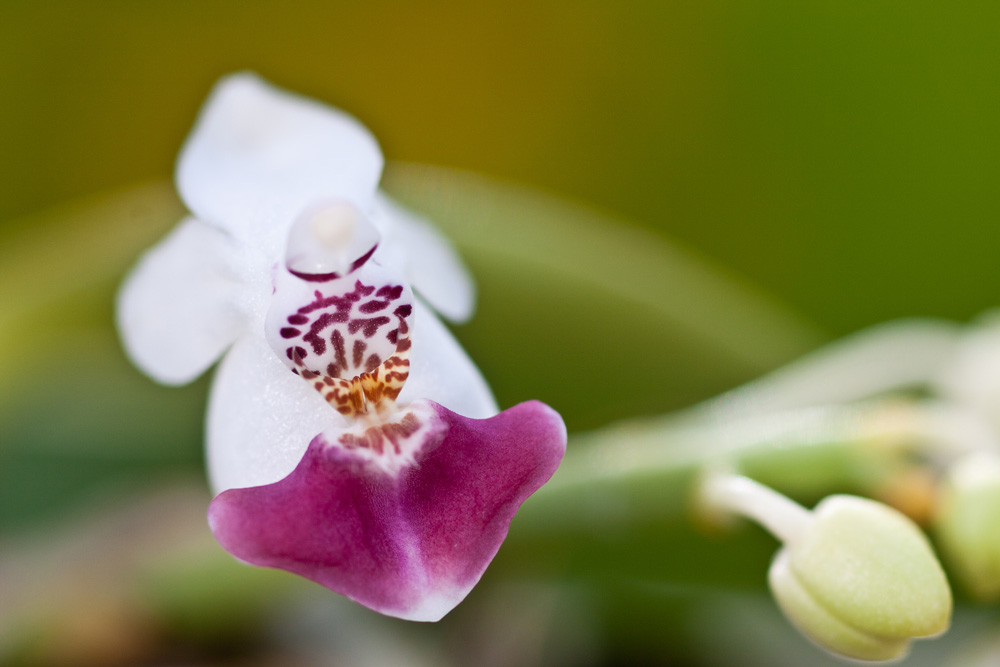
pixel 398 541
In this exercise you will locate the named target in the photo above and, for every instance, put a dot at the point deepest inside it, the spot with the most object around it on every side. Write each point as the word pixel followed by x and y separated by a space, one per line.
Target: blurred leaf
pixel 74 415
pixel 622 506
pixel 590 313
pixel 98 424
pixel 59 264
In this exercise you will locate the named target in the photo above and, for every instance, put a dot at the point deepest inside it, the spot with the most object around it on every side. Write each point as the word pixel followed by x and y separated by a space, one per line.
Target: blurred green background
pixel 841 155
pixel 749 179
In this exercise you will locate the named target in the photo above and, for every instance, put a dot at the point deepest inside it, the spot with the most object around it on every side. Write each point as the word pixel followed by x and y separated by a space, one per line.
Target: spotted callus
pixel 349 337
pixel 338 319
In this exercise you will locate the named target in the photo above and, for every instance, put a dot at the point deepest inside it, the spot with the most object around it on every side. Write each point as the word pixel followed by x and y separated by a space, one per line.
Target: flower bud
pixel 968 523
pixel 861 580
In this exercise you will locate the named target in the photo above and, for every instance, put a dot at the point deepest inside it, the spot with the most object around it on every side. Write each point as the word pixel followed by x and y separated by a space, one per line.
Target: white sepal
pixel 441 371
pixel 259 155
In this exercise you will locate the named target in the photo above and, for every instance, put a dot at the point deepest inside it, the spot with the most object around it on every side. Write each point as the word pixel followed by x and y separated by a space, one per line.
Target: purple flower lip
pixel 404 507
pixel 402 517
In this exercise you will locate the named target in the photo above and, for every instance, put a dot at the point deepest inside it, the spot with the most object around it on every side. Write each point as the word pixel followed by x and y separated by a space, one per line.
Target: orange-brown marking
pixel 370 392
pixel 376 437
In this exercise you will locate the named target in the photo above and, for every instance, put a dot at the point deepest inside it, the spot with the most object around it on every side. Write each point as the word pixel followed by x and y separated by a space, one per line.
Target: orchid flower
pixel 350 439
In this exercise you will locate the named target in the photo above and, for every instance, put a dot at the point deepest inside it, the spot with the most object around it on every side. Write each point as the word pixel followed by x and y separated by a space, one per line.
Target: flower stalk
pixel 781 516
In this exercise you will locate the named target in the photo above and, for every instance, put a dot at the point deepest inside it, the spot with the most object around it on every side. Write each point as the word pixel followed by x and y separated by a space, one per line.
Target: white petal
pixel 441 371
pixel 261 417
pixel 432 266
pixel 180 308
pixel 259 155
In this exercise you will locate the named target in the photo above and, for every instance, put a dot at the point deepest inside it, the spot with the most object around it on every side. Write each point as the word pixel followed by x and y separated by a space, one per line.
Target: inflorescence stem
pixel 782 517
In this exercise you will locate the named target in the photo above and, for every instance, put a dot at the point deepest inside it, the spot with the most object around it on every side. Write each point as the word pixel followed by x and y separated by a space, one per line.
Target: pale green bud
pixel 861 580
pixel 968 523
